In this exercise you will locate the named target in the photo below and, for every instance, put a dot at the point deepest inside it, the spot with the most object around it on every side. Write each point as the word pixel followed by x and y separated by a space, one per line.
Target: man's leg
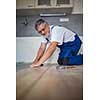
pixel 69 55
pixel 75 60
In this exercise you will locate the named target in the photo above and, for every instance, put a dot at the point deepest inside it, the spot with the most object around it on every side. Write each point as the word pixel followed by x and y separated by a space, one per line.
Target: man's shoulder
pixel 55 28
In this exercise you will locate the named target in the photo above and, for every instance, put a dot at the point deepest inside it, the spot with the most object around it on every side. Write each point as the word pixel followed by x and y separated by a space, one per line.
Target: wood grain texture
pixel 48 83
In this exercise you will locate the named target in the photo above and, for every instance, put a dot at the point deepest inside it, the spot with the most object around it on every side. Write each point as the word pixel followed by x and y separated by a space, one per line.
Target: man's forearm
pixel 39 54
pixel 48 53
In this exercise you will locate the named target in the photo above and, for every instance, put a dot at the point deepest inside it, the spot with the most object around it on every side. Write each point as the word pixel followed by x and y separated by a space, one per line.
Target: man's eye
pixel 42 29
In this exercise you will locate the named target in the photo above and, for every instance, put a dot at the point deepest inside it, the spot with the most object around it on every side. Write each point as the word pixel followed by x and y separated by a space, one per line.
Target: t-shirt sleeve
pixel 57 35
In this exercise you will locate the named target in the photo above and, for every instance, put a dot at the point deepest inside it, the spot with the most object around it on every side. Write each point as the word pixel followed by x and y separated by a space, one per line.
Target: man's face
pixel 43 29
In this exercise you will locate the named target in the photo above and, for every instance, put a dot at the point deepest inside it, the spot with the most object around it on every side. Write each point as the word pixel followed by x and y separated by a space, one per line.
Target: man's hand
pixel 35 65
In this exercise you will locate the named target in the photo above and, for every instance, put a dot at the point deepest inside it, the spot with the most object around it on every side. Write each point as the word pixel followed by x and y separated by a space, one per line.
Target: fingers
pixel 35 66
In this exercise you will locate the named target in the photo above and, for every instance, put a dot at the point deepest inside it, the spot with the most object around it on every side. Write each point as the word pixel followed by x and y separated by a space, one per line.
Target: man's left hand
pixel 37 65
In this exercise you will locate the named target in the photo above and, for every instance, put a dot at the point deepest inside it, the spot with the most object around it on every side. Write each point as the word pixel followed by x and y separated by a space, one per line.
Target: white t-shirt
pixel 59 34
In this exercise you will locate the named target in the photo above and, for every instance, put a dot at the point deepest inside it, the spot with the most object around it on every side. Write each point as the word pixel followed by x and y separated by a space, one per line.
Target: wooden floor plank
pixel 26 78
pixel 50 84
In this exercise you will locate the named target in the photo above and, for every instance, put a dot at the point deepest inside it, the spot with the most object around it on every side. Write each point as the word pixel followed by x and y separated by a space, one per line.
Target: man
pixel 63 38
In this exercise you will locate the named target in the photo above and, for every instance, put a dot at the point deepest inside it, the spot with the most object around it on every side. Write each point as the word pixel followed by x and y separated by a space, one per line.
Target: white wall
pixel 78 7
pixel 26 49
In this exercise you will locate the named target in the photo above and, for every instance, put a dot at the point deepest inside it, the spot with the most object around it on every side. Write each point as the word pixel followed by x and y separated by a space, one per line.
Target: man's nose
pixel 43 32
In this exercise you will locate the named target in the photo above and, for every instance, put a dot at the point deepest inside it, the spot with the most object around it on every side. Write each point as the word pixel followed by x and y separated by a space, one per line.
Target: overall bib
pixel 68 52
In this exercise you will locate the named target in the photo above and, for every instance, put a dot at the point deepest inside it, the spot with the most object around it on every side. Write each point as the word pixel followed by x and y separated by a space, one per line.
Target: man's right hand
pixel 35 62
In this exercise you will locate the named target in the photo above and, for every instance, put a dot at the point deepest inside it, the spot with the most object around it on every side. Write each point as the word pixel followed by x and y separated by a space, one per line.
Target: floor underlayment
pixel 48 83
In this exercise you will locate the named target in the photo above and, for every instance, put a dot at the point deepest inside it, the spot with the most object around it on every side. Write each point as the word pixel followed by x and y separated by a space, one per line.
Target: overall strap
pixel 47 39
pixel 52 27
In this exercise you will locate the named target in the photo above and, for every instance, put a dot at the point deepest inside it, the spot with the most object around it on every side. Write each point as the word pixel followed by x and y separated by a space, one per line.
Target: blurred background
pixel 67 13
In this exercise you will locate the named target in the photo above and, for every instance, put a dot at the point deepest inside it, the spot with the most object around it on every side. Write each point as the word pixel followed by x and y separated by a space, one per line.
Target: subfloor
pixel 48 83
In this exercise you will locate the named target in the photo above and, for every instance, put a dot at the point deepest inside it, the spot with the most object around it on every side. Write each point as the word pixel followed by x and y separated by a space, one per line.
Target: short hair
pixel 39 22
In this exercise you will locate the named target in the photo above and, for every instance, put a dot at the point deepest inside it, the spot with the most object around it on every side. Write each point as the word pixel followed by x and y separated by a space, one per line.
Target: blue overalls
pixel 68 52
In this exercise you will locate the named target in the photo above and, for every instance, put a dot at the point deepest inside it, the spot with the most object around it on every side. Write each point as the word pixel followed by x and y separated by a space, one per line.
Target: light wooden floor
pixel 48 83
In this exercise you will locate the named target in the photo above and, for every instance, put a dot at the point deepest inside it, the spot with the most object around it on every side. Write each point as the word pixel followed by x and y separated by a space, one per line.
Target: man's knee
pixel 74 60
pixel 63 61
